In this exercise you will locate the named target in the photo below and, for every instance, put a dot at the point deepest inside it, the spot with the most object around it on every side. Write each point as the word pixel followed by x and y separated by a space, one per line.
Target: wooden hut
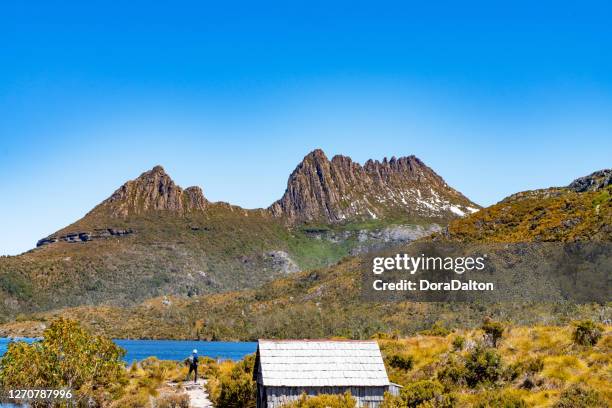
pixel 286 369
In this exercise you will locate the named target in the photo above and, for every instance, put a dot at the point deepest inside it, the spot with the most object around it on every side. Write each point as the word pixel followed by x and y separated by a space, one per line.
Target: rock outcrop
pixel 338 190
pixel 85 236
pixel 153 190
pixel 593 182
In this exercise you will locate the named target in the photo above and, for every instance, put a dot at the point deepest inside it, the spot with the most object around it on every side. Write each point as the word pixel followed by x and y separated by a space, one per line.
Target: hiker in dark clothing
pixel 193 366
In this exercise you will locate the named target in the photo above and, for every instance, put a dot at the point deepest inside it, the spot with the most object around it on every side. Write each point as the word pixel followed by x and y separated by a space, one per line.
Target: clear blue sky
pixel 497 97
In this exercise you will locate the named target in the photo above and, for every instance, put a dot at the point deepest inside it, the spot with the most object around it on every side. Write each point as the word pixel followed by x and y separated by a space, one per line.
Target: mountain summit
pixel 153 190
pixel 336 190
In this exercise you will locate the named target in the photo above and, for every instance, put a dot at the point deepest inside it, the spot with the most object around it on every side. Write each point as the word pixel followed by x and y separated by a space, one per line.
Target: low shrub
pixel 173 401
pixel 580 396
pixel 391 401
pixel 236 388
pixel 323 401
pixel 587 333
pixel 529 367
pixel 401 362
pixel 483 366
pixel 458 343
pixel 453 373
pixel 500 400
pixel 135 399
pixel 493 331
pixel 424 393
pixel 534 365
pixel 436 330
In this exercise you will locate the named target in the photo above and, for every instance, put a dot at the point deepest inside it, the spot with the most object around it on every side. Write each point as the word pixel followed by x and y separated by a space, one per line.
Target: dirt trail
pixel 198 396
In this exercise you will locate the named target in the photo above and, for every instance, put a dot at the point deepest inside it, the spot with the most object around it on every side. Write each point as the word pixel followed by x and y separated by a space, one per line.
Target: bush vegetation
pixel 401 362
pixel 493 331
pixel 580 396
pixel 458 343
pixel 231 385
pixel 67 357
pixel 425 392
pixel 436 330
pixel 323 401
pixel 587 333
pixel 173 401
pixel 483 366
pixel 534 366
pixel 499 400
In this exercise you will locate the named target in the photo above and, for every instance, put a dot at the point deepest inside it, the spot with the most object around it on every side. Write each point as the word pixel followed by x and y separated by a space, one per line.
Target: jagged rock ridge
pixel 336 190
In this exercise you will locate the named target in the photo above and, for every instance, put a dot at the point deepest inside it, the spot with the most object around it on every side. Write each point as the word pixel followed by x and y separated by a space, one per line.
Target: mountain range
pixel 153 238
pixel 325 301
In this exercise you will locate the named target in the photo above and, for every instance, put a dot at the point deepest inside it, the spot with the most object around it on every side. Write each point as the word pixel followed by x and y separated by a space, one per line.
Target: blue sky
pixel 497 98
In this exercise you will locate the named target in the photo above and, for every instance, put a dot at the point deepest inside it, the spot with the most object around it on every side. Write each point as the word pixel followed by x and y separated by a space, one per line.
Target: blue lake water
pixel 174 349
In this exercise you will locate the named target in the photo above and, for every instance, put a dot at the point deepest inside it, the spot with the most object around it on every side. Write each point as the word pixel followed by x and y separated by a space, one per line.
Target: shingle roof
pixel 316 363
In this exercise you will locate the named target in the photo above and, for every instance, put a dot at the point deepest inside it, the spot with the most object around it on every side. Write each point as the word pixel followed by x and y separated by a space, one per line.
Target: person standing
pixel 193 366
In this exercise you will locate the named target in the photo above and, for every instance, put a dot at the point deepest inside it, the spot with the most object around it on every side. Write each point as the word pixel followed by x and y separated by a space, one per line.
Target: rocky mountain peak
pixel 593 182
pixel 338 190
pixel 156 169
pixel 153 190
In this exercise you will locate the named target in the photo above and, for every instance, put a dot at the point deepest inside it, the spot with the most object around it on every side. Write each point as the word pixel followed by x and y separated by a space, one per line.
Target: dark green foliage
pixel 587 333
pixel 483 366
pixel 401 362
pixel 580 396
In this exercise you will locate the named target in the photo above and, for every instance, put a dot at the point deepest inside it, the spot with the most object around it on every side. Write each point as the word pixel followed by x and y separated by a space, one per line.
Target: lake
pixel 174 349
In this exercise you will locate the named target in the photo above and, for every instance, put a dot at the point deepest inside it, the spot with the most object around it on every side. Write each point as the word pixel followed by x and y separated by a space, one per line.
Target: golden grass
pixel 564 363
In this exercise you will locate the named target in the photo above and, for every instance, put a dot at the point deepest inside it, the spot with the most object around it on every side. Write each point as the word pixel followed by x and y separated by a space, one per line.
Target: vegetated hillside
pixel 320 303
pixel 324 302
pixel 578 212
pixel 152 238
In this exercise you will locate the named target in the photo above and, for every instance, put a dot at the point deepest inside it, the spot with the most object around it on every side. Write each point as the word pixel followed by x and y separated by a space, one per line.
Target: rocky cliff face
pixel 153 190
pixel 337 190
pixel 85 236
pixel 593 182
